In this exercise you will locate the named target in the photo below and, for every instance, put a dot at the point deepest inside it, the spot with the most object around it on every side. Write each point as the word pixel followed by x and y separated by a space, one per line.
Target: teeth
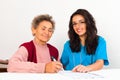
pixel 79 30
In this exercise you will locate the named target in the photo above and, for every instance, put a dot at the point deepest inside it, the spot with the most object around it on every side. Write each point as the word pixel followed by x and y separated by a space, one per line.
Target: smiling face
pixel 79 25
pixel 43 32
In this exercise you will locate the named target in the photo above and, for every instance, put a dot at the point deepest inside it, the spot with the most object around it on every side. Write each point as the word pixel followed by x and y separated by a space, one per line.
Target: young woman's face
pixel 43 32
pixel 79 25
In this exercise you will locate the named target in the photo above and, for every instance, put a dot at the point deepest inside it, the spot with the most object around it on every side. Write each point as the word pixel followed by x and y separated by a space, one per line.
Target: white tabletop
pixel 104 74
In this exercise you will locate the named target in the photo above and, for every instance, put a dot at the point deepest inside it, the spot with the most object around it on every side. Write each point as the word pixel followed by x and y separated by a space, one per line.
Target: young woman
pixel 85 51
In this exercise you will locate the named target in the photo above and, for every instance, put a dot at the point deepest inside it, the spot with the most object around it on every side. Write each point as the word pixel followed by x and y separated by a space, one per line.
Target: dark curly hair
pixel 91 41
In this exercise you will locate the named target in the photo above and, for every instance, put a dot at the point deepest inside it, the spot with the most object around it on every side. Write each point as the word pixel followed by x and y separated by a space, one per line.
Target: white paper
pixel 78 75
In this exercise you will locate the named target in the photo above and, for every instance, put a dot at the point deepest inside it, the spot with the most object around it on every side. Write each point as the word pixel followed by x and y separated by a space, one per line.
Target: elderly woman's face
pixel 43 32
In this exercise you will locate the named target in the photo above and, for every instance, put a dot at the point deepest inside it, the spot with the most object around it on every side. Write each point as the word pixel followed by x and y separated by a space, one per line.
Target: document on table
pixel 62 75
pixel 78 75
pixel 33 76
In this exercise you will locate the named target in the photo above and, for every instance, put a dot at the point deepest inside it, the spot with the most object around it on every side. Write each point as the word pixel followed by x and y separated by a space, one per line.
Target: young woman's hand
pixel 81 68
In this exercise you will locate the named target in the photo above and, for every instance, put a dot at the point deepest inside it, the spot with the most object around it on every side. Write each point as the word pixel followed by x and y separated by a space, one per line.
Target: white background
pixel 16 17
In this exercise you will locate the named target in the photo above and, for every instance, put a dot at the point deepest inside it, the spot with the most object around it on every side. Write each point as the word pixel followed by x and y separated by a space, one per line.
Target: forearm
pixel 96 66
pixel 26 67
pixel 18 63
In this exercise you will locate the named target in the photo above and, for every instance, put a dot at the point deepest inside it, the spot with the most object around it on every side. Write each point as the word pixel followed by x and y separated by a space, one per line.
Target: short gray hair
pixel 40 18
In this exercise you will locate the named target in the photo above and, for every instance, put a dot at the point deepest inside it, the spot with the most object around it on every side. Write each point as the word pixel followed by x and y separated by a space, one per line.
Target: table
pixel 3 67
pixel 104 74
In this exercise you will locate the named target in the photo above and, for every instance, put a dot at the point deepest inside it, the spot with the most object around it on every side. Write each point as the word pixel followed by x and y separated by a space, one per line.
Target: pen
pixel 53 59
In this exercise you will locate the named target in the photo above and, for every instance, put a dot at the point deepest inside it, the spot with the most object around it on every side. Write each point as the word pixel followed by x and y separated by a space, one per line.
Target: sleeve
pixel 18 63
pixel 101 51
pixel 64 57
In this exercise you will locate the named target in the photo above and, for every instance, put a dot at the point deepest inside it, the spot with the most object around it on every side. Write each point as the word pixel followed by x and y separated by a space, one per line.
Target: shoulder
pixel 101 39
pixel 27 43
pixel 67 43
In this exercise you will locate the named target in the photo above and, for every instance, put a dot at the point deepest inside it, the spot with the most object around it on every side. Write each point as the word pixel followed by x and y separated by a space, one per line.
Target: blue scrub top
pixel 71 59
